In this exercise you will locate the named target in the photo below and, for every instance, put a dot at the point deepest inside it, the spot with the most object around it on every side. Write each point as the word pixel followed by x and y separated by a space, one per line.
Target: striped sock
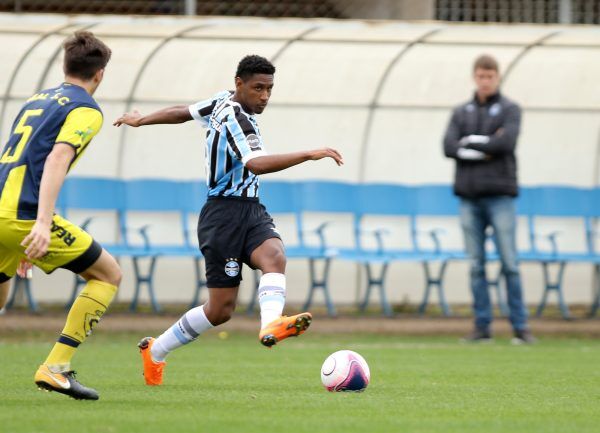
pixel 184 331
pixel 271 297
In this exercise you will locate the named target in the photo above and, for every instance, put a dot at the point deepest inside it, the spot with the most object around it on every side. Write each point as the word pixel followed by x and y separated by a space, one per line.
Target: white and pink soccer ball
pixel 345 370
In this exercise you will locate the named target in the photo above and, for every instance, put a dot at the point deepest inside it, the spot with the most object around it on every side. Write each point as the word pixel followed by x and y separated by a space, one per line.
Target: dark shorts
pixel 229 230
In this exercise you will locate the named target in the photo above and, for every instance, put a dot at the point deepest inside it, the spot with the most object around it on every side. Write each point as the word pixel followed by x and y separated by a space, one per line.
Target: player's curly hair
pixel 85 55
pixel 254 64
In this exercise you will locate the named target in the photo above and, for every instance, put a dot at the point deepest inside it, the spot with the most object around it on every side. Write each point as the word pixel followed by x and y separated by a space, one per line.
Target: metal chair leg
pixel 148 279
pixel 377 281
pixel 322 282
pixel 441 295
pixel 25 285
pixel 437 282
pixel 555 285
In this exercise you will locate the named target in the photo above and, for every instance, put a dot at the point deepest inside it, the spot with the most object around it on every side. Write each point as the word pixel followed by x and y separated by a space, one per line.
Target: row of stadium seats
pixel 131 200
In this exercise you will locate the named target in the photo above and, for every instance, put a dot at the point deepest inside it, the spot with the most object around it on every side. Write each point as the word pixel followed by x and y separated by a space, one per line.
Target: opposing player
pixel 233 228
pixel 49 135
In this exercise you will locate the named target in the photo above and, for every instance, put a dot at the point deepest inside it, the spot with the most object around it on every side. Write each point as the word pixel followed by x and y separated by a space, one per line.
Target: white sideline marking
pixel 384 345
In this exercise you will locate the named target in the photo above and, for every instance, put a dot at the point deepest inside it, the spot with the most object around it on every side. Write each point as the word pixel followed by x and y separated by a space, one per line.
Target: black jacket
pixel 500 119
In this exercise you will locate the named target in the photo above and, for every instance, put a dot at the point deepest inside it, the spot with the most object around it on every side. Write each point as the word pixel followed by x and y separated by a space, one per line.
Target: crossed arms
pixel 482 147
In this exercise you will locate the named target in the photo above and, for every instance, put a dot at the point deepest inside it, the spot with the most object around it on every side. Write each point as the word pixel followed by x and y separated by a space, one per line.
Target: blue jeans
pixel 499 213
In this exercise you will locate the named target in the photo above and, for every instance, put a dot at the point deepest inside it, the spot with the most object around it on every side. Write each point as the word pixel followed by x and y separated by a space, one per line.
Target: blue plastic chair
pixel 162 195
pixel 561 202
pixel 592 236
pixel 324 197
pixel 378 199
pixel 294 198
pixel 92 194
pixel 194 197
pixel 23 284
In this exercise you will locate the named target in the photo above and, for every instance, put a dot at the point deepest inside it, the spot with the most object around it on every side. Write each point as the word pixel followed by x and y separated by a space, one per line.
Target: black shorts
pixel 229 230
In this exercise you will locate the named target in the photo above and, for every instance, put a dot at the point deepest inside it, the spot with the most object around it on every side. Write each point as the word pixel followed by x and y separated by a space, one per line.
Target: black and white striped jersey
pixel 232 139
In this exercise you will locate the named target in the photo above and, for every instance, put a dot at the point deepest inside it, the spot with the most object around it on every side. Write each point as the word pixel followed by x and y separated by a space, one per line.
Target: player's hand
pixel 470 154
pixel 131 119
pixel 37 241
pixel 474 139
pixel 327 153
pixel 24 268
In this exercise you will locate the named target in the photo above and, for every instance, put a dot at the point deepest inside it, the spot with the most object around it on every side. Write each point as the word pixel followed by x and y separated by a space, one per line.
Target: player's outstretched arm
pixel 272 163
pixel 169 115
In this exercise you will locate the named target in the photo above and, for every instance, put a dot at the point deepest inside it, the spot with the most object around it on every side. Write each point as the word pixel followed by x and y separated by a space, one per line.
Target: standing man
pixel 49 135
pixel 233 228
pixel 482 137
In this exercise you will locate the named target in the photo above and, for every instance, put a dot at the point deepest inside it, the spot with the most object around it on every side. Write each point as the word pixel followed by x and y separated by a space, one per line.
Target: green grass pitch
pixel 235 385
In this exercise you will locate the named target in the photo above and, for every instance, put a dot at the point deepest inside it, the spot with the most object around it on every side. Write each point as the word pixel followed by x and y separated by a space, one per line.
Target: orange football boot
pixel 284 327
pixel 153 371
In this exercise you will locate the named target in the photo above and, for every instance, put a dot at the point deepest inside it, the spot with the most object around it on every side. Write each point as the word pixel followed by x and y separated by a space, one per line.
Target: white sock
pixel 271 297
pixel 184 331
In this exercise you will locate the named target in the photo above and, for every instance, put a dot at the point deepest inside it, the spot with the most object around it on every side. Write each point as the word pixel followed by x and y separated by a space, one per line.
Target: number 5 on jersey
pixel 13 154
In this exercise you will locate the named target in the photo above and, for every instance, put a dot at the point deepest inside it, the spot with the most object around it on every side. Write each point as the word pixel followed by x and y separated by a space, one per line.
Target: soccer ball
pixel 345 370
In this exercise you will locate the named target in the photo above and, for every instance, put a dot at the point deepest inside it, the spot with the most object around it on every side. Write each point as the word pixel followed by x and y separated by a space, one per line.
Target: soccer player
pixel 49 135
pixel 233 228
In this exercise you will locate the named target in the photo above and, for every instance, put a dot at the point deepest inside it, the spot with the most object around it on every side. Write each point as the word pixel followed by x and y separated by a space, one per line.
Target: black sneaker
pixel 64 382
pixel 478 336
pixel 523 337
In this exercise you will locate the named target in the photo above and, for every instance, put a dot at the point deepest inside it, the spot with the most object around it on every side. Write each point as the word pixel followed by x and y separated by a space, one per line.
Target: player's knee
pixel 115 277
pixel 280 261
pixel 219 310
pixel 221 314
pixel 224 317
pixel 227 310
pixel 109 273
pixel 114 273
pixel 275 261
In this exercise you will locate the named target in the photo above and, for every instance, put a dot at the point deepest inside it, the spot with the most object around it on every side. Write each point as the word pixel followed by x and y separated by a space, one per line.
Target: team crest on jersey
pixel 84 134
pixel 232 267
pixel 253 141
pixel 495 109
pixel 214 124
